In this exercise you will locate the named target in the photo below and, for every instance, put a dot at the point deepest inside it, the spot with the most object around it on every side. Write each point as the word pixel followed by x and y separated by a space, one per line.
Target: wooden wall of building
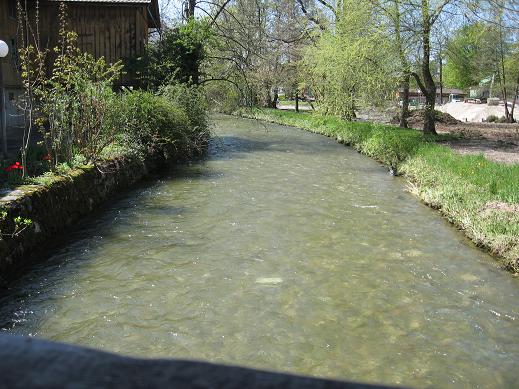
pixel 8 29
pixel 113 31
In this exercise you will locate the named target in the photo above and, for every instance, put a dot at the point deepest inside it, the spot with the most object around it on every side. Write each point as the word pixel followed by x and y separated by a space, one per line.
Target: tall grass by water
pixel 479 196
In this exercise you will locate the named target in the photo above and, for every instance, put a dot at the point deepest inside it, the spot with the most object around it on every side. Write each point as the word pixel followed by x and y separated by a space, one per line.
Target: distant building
pixel 417 98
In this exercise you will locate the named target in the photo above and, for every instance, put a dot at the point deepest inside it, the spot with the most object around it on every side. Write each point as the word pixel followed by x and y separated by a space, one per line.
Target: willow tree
pixel 353 64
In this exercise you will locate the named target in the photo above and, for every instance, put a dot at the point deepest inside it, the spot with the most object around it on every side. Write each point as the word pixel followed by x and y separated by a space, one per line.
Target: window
pixel 15 58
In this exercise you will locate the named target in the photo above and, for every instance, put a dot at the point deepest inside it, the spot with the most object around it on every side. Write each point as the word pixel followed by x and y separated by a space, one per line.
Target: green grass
pixel 481 197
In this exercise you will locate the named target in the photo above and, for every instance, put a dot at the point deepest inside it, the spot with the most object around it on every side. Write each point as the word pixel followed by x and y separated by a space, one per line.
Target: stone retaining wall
pixel 58 205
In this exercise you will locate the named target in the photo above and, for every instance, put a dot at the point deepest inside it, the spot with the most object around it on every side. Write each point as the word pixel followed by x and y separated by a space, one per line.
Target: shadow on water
pixel 45 358
pixel 87 235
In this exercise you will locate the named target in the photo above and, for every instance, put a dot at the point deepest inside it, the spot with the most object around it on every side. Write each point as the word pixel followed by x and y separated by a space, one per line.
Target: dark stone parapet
pixel 57 205
pixel 29 363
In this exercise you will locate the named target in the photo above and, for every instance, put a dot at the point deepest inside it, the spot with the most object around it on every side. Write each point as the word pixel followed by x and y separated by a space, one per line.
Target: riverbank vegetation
pixel 76 116
pixel 479 196
pixel 79 120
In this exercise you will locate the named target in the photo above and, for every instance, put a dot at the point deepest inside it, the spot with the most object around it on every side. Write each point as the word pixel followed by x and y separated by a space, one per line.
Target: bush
pixel 83 120
pixel 492 118
pixel 191 99
pixel 76 107
pixel 223 97
pixel 152 120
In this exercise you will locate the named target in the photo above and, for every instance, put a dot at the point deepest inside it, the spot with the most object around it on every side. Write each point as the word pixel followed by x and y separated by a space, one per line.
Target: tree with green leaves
pixel 176 55
pixel 470 55
pixel 353 64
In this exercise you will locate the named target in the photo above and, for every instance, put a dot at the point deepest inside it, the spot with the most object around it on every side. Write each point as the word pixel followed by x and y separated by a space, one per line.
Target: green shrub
pixel 152 120
pixel 76 105
pixel 492 118
pixel 223 97
pixel 191 99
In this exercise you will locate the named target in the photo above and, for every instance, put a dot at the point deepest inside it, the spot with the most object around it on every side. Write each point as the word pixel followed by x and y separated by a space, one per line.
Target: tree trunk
pixel 440 59
pixel 189 9
pixel 404 112
pixel 297 101
pixel 404 63
pixel 268 101
pixel 429 126
pixel 275 99
pixel 514 101
pixel 428 87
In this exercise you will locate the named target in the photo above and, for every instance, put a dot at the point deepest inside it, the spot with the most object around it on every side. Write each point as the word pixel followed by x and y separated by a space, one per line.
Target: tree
pixel 256 49
pixel 469 55
pixel 428 15
pixel 352 65
pixel 176 55
pixel 396 14
pixel 512 68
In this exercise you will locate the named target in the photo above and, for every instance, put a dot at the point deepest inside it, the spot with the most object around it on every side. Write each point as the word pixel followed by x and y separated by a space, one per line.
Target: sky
pixel 171 9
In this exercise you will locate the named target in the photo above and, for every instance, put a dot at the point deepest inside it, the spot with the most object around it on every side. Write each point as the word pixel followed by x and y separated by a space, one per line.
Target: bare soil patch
pixel 497 142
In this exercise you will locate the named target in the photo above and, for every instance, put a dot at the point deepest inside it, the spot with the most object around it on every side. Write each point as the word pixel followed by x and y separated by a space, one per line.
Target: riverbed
pixel 282 250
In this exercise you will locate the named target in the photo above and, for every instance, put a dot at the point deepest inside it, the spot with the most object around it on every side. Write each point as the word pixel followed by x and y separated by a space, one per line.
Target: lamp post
pixel 4 50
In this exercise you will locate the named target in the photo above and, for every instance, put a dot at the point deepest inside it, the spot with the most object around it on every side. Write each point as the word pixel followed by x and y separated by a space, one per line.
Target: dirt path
pixel 497 142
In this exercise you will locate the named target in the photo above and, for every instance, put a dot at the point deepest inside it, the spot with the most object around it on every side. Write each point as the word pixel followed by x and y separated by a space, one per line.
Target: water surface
pixel 285 251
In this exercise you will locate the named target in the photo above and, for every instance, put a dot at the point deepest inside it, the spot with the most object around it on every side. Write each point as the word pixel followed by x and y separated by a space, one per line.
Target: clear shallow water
pixel 285 251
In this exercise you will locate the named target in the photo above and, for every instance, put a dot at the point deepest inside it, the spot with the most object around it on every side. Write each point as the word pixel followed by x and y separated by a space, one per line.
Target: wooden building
pixel 113 29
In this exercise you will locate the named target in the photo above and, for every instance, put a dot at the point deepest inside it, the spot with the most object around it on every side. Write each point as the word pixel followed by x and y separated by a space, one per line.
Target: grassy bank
pixel 479 196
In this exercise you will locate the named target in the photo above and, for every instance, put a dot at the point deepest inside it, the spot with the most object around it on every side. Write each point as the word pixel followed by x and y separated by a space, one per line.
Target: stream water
pixel 285 251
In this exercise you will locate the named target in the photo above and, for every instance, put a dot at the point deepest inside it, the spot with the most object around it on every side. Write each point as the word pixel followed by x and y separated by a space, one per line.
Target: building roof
pixel 153 7
pixel 108 1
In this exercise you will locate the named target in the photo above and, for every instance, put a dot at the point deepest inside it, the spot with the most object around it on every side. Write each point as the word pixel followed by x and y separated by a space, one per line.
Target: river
pixel 281 250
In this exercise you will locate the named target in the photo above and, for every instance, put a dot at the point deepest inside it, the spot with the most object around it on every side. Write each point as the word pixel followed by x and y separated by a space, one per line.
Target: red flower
pixel 47 157
pixel 14 166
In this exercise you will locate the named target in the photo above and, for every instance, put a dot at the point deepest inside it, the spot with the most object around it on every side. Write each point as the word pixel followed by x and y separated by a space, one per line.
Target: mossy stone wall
pixel 55 207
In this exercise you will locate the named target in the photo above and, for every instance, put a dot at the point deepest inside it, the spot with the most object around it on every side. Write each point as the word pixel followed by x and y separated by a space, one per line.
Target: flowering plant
pixel 14 166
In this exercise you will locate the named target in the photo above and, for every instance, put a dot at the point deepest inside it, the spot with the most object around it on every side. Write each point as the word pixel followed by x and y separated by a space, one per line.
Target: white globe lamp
pixel 4 49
